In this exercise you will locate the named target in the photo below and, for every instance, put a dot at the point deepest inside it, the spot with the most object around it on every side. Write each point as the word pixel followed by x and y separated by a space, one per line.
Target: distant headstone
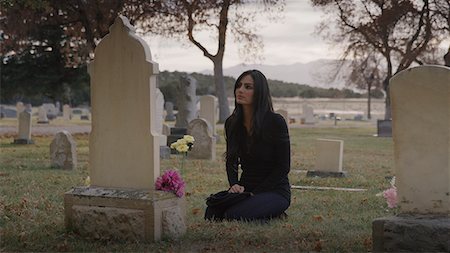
pixel 205 144
pixel 85 114
pixel 308 114
pixel 329 158
pixel 186 101
pixel 208 108
pixel 420 103
pixel 51 110
pixel 58 108
pixel 122 203
pixel 63 151
pixel 24 129
pixel 170 116
pixel 358 117
pixel 384 128
pixel 42 116
pixel 67 112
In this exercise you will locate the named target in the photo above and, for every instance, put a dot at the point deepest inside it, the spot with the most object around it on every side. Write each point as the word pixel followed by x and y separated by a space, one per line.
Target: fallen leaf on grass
pixel 368 243
pixel 318 217
pixel 196 211
pixel 318 246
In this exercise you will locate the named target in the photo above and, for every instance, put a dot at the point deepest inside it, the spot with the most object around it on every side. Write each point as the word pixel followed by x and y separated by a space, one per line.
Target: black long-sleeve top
pixel 265 161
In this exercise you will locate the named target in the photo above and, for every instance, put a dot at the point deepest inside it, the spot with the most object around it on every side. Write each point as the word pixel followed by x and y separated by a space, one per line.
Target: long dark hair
pixel 262 103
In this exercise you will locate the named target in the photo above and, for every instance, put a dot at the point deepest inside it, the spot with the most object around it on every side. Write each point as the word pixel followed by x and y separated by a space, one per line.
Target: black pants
pixel 262 206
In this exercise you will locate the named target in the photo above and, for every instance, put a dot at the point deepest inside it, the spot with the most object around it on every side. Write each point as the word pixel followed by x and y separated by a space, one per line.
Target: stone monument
pixel 121 202
pixel 205 143
pixel 420 102
pixel 24 129
pixel 63 151
pixel 186 101
pixel 329 158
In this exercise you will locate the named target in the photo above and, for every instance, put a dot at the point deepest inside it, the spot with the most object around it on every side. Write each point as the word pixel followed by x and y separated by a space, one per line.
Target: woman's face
pixel 244 91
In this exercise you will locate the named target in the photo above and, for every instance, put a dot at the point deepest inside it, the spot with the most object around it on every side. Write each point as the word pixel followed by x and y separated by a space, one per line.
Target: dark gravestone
pixel 175 134
pixel 384 128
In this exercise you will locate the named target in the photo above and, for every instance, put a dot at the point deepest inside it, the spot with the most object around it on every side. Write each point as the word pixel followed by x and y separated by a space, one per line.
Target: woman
pixel 258 143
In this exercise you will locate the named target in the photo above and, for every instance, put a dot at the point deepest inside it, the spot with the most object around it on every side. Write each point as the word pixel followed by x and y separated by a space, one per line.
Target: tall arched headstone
pixel 122 202
pixel 123 149
pixel 420 103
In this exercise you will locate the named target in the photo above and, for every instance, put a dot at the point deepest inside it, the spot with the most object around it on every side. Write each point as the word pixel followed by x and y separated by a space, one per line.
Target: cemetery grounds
pixel 32 210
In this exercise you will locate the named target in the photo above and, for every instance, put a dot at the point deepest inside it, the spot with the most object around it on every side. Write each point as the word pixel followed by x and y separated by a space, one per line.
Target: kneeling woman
pixel 258 143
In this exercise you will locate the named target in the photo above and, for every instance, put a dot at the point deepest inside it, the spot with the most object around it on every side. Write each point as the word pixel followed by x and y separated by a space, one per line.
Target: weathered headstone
pixel 123 148
pixel 170 116
pixel 186 101
pixel 67 112
pixel 205 143
pixel 329 158
pixel 24 129
pixel 384 128
pixel 63 151
pixel 42 116
pixel 420 102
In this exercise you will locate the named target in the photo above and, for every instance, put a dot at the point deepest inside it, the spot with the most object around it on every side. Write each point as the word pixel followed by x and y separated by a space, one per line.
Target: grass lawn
pixel 32 218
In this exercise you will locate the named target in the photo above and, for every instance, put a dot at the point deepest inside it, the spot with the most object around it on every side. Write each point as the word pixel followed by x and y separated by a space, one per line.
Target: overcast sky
pixel 288 41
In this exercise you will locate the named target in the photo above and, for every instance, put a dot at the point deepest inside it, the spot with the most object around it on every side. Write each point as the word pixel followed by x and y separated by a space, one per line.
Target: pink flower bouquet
pixel 171 181
pixel 391 196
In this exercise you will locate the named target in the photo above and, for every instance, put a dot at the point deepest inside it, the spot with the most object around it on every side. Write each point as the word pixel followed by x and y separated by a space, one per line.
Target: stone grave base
pixel 316 173
pixel 418 233
pixel 43 122
pixel 124 214
pixel 23 141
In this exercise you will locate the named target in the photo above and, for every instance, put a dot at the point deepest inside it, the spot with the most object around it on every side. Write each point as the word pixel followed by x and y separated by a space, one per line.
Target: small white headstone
pixel 329 155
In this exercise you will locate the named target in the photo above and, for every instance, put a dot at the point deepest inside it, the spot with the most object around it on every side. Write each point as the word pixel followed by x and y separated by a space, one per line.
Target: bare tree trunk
pixel 224 109
pixel 369 86
pixel 387 112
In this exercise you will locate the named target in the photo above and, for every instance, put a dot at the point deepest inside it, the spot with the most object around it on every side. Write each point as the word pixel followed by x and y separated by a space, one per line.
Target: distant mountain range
pixel 317 73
